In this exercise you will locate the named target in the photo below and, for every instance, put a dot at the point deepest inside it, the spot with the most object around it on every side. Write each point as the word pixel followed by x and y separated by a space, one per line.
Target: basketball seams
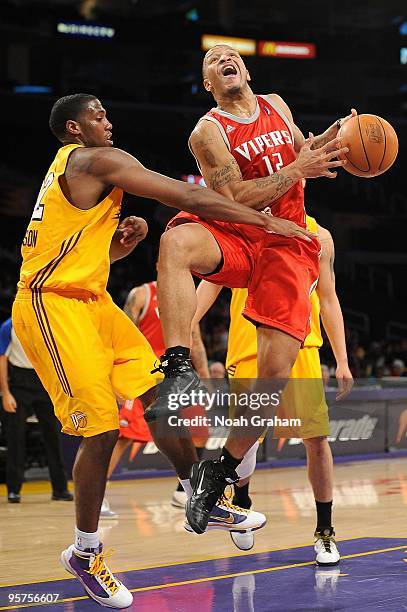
pixel 363 145
pixel 354 165
pixel 385 141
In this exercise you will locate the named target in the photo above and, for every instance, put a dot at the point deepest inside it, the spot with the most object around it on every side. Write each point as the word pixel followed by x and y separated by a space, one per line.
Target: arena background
pixel 143 60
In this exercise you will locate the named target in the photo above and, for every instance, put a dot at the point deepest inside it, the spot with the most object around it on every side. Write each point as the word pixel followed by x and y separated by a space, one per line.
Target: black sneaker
pixel 14 498
pixel 208 480
pixel 180 379
pixel 62 496
pixel 245 503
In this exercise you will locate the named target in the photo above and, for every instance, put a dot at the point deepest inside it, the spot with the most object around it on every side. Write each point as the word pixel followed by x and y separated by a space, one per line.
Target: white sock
pixel 248 464
pixel 186 484
pixel 85 540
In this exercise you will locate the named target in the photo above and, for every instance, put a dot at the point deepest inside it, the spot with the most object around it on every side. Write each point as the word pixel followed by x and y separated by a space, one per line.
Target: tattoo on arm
pixel 282 185
pixel 223 176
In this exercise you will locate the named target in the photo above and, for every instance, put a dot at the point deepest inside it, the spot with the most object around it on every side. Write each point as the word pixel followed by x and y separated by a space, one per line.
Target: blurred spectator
pixel 325 374
pixel 217 370
pixel 398 368
pixel 22 395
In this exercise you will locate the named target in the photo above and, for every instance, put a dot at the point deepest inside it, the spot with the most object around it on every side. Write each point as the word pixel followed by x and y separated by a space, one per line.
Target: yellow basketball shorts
pixel 87 354
pixel 303 397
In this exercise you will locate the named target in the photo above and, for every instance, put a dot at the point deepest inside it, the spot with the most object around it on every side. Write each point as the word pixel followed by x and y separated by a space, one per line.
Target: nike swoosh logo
pixel 223 519
pixel 199 490
pixel 181 391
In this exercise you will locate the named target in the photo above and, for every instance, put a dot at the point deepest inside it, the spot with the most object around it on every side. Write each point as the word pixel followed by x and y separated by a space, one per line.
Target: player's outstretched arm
pixel 129 233
pixel 115 167
pixel 222 173
pixel 331 312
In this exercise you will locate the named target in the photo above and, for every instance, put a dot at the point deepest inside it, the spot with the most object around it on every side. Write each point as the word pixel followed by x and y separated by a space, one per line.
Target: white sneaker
pixel 96 578
pixel 179 499
pixel 225 515
pixel 106 512
pixel 243 540
pixel 325 548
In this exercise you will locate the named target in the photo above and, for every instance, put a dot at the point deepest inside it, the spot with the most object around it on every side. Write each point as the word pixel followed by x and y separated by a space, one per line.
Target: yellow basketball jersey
pixel 242 343
pixel 66 247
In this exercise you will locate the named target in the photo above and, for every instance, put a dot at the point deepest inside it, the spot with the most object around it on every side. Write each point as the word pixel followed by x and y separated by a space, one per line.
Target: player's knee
pixel 316 445
pixel 275 369
pixel 179 244
pixel 175 245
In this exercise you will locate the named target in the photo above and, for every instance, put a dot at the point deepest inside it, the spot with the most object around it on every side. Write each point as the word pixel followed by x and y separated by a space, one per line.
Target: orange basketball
pixel 372 143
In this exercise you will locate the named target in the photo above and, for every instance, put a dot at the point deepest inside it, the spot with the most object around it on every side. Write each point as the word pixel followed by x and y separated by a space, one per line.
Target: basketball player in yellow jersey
pixel 85 350
pixel 242 364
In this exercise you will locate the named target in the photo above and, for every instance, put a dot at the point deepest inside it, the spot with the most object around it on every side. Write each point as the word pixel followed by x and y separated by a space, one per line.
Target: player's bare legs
pixel 89 476
pixel 277 352
pixel 320 473
pixel 184 248
pixel 320 468
pixel 120 447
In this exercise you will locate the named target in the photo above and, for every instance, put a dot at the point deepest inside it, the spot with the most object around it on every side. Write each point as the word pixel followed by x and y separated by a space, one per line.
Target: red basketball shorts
pixel 279 272
pixel 132 423
pixel 237 251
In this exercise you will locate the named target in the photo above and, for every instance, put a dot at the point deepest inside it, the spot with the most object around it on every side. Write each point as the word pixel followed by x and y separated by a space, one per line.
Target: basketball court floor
pixel 170 570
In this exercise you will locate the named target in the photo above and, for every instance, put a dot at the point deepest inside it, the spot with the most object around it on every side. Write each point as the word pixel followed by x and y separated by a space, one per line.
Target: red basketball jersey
pixel 149 322
pixel 261 145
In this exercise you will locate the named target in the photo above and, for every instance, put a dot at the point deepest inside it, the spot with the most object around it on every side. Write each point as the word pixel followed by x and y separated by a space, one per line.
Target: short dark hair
pixel 68 107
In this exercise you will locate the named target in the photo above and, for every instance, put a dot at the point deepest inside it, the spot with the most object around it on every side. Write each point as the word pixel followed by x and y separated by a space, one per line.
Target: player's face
pixel 95 127
pixel 225 72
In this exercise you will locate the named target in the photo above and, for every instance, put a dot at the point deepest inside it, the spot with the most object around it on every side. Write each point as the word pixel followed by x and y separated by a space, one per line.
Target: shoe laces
pixel 160 367
pixel 327 539
pixel 99 569
pixel 228 504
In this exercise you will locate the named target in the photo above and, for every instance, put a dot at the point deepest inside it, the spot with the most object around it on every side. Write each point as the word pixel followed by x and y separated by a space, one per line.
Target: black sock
pixel 241 497
pixel 228 460
pixel 324 515
pixel 177 351
pixel 199 451
pixel 180 487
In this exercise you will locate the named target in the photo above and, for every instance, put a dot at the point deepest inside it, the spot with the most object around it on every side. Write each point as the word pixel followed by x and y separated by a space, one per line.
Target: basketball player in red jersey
pixel 141 307
pixel 249 149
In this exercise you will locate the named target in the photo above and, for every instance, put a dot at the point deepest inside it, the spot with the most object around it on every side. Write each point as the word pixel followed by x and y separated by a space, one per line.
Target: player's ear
pixel 72 127
pixel 207 84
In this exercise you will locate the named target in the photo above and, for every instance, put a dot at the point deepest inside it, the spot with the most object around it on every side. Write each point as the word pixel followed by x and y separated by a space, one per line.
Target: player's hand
pixel 333 129
pixel 134 230
pixel 345 380
pixel 9 402
pixel 342 120
pixel 276 225
pixel 319 162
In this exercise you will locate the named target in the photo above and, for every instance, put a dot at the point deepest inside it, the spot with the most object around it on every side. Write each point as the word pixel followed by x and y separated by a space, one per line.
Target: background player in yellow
pixel 85 350
pixel 242 364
